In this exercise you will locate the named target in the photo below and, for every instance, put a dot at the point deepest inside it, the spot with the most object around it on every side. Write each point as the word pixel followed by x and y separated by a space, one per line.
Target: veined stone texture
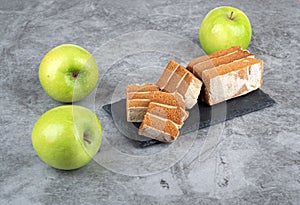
pixel 256 162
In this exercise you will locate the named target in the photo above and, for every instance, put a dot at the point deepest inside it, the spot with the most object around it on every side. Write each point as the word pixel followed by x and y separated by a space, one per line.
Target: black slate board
pixel 209 115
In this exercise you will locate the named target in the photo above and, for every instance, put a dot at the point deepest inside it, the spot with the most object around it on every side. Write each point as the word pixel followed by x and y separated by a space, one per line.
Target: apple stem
pixel 75 74
pixel 231 16
pixel 86 138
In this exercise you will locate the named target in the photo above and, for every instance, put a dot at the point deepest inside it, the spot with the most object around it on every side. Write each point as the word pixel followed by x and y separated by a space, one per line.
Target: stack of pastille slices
pixel 161 107
pixel 218 77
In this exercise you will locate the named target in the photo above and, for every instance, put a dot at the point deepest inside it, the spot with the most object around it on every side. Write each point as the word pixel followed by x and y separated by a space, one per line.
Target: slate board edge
pixel 204 124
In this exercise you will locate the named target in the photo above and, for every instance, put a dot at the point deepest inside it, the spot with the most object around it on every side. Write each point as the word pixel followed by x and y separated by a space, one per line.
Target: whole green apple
pixel 67 137
pixel 224 27
pixel 68 73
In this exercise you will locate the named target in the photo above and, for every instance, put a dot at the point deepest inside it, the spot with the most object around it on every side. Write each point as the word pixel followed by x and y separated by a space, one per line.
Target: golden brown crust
pixel 226 68
pixel 168 99
pixel 140 95
pixel 262 69
pixel 235 77
pixel 141 88
pixel 171 113
pixel 156 96
pixel 167 74
pixel 223 60
pixel 172 65
pixel 185 83
pixel 134 100
pixel 138 103
pixel 211 56
pixel 182 82
pixel 165 126
pixel 175 79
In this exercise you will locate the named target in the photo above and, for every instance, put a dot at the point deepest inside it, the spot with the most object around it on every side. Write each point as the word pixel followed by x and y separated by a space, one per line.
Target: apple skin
pixel 224 27
pixel 68 73
pixel 67 137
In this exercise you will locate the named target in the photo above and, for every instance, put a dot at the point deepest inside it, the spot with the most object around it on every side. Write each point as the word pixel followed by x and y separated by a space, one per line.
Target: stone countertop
pixel 255 158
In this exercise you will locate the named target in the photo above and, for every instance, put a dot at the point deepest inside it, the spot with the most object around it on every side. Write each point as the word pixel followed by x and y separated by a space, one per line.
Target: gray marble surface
pixel 254 159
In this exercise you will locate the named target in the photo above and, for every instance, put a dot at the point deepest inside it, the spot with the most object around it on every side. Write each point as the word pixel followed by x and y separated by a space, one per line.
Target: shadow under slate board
pixel 209 115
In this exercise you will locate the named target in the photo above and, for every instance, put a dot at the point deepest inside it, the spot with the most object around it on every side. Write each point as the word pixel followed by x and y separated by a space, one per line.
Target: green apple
pixel 68 73
pixel 224 27
pixel 67 137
